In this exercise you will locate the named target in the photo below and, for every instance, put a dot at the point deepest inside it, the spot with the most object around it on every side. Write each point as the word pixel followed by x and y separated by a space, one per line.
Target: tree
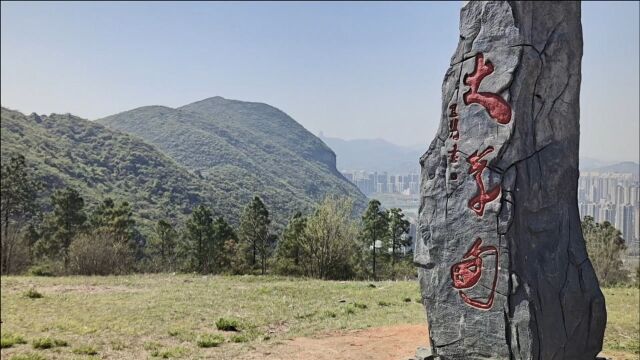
pixel 254 232
pixel 198 238
pixel 18 192
pixel 605 246
pixel 398 232
pixel 222 234
pixel 374 230
pixel 289 252
pixel 329 242
pixel 163 244
pixel 115 220
pixel 65 221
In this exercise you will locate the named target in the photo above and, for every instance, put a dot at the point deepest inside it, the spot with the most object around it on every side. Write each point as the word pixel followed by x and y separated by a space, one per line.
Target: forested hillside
pixel 66 150
pixel 243 149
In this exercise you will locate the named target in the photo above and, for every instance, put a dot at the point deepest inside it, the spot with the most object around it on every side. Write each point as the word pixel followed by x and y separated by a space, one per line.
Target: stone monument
pixel 503 267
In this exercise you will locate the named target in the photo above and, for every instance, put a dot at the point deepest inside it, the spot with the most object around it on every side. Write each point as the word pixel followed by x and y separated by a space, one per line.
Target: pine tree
pixel 163 244
pixel 66 220
pixel 254 233
pixel 115 220
pixel 222 234
pixel 374 230
pixel 198 238
pixel 289 252
pixel 398 232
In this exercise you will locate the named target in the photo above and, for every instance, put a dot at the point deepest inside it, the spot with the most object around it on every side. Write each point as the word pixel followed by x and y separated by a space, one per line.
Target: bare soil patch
pixel 381 343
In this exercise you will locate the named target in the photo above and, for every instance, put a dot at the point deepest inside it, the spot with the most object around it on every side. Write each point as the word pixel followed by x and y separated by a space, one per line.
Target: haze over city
pixel 351 70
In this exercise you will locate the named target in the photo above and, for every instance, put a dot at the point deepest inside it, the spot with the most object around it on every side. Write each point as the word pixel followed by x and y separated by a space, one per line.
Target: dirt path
pixel 382 343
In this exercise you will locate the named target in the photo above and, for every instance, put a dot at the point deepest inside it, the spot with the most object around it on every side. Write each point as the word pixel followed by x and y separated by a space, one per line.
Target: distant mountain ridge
pixel 374 155
pixel 381 155
pixel 625 167
pixel 244 149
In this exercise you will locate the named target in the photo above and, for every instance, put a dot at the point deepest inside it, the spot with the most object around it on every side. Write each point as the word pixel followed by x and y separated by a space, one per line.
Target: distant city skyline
pixel 353 70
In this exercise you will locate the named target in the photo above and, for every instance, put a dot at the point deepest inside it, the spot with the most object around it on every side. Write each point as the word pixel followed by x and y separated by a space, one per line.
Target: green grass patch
pixel 227 324
pixel 8 340
pixel 349 310
pixel 85 350
pixel 33 294
pixel 330 314
pixel 360 306
pixel 623 320
pixel 210 340
pixel 174 352
pixel 151 346
pixel 48 343
pixel 239 338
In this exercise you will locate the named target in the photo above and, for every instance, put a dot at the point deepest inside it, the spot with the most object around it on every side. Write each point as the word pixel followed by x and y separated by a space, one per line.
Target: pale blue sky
pixel 352 70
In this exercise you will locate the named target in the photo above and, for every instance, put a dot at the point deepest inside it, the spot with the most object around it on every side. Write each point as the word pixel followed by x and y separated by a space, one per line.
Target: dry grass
pixel 164 316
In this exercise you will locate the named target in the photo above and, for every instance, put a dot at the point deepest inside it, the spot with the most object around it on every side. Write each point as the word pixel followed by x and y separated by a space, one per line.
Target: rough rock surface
pixel 503 267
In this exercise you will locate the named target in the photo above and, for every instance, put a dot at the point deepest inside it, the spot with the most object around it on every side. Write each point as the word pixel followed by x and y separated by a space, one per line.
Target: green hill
pixel 99 162
pixel 243 149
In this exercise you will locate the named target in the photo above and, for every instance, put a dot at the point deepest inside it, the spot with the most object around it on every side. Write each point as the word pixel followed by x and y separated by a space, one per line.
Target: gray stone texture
pixel 536 295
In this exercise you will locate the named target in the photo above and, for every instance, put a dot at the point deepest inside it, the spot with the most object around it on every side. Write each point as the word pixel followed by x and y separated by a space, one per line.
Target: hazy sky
pixel 352 70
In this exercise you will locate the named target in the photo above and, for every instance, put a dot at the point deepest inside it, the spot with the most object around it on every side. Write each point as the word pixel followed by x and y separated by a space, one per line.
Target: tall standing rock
pixel 502 262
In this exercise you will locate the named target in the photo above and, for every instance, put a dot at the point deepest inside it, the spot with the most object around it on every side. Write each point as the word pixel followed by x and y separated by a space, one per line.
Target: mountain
pixel 587 163
pixel 375 155
pixel 625 167
pixel 244 149
pixel 70 151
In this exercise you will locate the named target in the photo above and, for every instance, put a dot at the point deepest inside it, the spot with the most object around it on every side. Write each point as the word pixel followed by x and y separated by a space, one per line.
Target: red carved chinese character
pixel 453 157
pixel 466 273
pixel 452 110
pixel 478 202
pixel 498 109
pixel 453 129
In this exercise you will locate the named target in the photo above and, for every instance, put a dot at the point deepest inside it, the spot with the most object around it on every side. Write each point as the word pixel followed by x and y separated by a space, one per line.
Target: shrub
pixel 605 247
pixel 207 341
pixel 407 299
pixel 48 343
pixel 45 269
pixel 85 350
pixel 28 356
pixel 8 340
pixel 349 310
pixel 33 294
pixel 99 254
pixel 384 303
pixel 227 324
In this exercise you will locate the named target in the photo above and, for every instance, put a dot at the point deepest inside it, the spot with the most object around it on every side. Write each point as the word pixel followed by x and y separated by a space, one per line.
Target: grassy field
pixel 165 316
